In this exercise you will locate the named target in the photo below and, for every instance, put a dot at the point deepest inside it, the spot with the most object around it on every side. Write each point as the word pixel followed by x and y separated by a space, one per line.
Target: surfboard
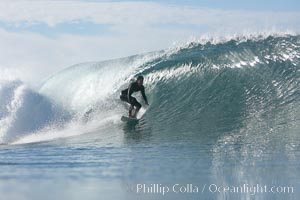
pixel 127 119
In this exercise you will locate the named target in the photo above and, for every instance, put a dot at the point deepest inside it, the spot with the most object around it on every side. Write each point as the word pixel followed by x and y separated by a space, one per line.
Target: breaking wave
pixel 242 84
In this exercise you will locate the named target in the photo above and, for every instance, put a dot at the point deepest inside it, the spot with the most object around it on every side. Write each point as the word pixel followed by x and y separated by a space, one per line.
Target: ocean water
pixel 223 123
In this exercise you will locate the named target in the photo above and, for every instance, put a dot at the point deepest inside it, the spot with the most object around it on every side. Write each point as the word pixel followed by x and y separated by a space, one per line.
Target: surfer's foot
pixel 132 111
pixel 135 113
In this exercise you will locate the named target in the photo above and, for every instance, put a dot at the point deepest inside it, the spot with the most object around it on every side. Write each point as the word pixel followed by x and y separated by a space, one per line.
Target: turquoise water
pixel 222 124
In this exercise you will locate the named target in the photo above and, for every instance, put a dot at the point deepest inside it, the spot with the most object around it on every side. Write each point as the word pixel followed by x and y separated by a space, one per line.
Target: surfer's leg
pixel 137 108
pixel 131 108
pixel 136 112
pixel 125 98
pixel 134 104
pixel 130 111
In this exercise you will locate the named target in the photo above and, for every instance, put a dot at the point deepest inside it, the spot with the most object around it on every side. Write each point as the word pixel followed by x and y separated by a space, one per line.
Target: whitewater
pixel 222 112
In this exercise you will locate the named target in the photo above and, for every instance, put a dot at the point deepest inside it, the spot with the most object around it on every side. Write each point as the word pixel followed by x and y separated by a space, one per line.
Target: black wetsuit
pixel 126 94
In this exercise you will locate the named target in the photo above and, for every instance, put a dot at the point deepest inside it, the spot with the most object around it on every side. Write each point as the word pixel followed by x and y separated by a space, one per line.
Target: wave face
pixel 248 85
pixel 207 88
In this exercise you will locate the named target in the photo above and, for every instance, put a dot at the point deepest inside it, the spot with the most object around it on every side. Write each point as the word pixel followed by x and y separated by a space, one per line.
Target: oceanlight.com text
pixel 164 189
pixel 250 189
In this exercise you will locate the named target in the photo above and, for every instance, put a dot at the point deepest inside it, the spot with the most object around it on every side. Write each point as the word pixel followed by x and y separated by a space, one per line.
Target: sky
pixel 40 38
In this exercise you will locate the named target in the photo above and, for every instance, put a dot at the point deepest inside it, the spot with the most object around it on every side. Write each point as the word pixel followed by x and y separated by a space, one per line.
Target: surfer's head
pixel 140 80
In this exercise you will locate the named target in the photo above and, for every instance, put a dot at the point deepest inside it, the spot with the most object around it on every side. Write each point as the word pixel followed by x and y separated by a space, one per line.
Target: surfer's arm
pixel 144 96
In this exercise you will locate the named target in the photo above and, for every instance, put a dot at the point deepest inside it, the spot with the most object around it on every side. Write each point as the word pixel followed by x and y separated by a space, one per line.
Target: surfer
pixel 126 96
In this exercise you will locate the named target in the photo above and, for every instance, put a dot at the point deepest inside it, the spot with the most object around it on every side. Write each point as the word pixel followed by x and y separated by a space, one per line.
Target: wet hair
pixel 140 78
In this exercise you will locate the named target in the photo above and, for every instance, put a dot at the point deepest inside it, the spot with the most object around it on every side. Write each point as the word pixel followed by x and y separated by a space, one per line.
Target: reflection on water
pixel 111 163
pixel 262 153
pixel 136 131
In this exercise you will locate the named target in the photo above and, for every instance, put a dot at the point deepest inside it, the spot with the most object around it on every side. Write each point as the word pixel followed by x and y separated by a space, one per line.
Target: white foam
pixel 12 108
pixel 74 128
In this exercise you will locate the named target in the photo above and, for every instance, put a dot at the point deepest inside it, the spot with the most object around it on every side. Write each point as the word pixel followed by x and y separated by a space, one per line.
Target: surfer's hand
pixel 147 103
